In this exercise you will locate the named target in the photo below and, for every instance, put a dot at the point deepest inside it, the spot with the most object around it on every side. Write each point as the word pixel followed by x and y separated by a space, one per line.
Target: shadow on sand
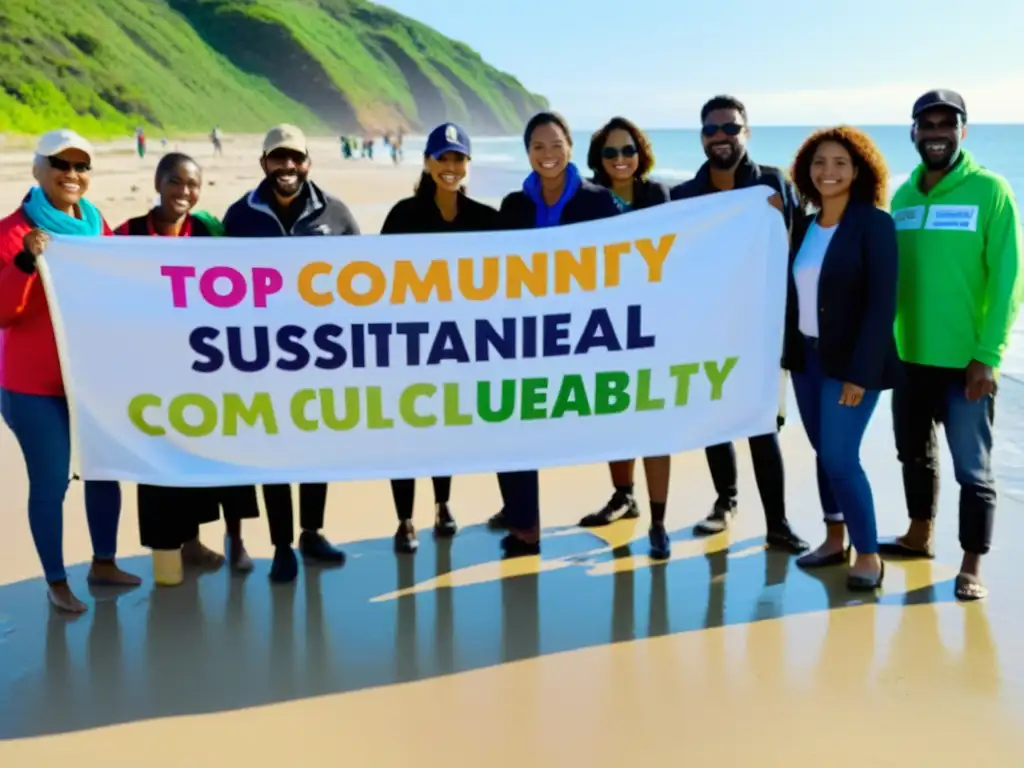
pixel 221 642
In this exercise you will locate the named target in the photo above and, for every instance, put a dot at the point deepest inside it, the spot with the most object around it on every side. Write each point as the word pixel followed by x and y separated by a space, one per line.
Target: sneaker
pixel 444 523
pixel 620 506
pixel 405 538
pixel 285 566
pixel 719 520
pixel 315 548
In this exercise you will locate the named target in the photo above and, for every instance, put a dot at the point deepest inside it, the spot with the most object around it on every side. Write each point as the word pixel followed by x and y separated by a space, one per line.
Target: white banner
pixel 215 361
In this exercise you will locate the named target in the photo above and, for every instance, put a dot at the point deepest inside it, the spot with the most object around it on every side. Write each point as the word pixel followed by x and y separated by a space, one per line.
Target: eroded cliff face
pixel 104 66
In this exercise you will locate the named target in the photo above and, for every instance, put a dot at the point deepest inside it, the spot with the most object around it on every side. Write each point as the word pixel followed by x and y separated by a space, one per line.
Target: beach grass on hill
pixel 103 67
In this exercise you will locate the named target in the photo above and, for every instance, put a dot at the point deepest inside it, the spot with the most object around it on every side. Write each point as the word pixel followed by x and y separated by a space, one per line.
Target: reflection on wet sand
pixel 204 648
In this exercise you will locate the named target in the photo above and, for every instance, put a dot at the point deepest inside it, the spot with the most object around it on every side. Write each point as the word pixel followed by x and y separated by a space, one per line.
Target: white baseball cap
pixel 55 142
pixel 285 137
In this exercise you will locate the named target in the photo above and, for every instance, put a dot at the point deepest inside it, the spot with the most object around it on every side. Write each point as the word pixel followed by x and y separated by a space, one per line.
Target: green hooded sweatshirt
pixel 960 277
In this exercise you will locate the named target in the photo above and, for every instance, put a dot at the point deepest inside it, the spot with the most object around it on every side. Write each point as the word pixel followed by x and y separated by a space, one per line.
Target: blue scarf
pixel 551 215
pixel 49 219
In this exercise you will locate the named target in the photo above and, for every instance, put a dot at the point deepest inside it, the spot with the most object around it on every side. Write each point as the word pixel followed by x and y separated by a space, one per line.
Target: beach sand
pixel 727 655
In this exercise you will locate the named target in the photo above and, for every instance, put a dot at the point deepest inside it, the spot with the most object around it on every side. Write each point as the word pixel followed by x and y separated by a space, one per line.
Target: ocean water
pixel 499 165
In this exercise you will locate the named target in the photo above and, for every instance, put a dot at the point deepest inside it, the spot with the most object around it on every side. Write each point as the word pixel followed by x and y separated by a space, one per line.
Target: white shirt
pixel 806 272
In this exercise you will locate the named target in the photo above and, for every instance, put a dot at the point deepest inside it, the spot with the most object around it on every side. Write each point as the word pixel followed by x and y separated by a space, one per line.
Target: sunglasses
pixel 729 129
pixel 288 154
pixel 613 153
pixel 946 124
pixel 59 164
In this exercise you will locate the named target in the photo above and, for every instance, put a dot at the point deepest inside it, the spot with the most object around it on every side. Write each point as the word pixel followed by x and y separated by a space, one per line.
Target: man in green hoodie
pixel 960 250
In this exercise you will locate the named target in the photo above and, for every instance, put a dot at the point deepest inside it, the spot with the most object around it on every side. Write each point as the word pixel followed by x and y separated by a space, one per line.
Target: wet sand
pixel 727 655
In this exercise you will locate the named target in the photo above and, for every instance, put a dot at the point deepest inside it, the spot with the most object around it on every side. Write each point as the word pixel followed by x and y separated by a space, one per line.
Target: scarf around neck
pixel 551 215
pixel 49 219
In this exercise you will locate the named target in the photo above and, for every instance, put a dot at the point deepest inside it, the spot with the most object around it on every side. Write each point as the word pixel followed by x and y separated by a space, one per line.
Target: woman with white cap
pixel 32 398
pixel 440 204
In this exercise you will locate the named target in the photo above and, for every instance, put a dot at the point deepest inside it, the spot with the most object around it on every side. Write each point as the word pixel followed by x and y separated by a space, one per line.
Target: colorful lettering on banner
pixel 220 361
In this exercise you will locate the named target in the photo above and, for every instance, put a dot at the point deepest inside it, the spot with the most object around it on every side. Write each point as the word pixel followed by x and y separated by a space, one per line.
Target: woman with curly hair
pixel 839 343
pixel 620 156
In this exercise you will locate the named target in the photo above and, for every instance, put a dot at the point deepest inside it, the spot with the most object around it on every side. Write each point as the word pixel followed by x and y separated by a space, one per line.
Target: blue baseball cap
pixel 447 137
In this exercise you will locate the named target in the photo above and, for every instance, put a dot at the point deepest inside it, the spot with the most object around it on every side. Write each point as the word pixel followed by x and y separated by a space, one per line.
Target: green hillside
pixel 106 66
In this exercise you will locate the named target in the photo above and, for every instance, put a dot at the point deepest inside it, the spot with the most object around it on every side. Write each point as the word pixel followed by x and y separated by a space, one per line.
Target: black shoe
pixel 497 521
pixel 896 548
pixel 444 524
pixel 621 506
pixel 315 547
pixel 513 546
pixel 856 583
pixel 661 546
pixel 405 539
pixel 719 520
pixel 285 566
pixel 814 560
pixel 783 539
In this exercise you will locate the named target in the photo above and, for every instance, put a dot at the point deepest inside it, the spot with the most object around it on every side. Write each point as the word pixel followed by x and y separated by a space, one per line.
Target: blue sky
pixel 792 61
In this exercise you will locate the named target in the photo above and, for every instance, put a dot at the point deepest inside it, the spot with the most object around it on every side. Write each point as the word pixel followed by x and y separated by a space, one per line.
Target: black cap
pixel 940 98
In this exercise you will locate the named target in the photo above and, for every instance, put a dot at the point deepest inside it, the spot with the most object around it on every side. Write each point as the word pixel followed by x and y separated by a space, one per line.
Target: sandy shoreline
pixel 123 186
pixel 589 656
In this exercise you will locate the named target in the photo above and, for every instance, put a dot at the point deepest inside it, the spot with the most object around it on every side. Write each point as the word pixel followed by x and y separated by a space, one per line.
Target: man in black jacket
pixel 286 203
pixel 724 134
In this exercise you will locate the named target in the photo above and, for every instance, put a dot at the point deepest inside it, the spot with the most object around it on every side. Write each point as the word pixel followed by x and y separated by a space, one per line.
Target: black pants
pixel 404 493
pixel 766 456
pixel 520 492
pixel 924 397
pixel 168 517
pixel 278 501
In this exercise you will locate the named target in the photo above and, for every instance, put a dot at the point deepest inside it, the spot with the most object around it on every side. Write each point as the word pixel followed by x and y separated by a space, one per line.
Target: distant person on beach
pixel 620 157
pixel 32 396
pixel 287 203
pixel 440 204
pixel 140 141
pixel 724 135
pixel 839 345
pixel 216 138
pixel 960 248
pixel 553 194
pixel 169 517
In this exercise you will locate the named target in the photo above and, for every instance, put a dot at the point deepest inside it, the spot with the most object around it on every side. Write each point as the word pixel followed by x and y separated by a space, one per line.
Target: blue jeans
pixel 925 396
pixel 836 432
pixel 40 425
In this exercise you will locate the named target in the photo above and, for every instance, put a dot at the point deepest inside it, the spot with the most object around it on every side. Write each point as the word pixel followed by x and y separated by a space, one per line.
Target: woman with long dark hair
pixel 440 204
pixel 169 517
pixel 839 342
pixel 553 194
pixel 33 402
pixel 621 158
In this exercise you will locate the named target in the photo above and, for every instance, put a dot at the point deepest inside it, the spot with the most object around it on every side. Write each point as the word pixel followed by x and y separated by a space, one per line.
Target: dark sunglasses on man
pixel 60 164
pixel 941 124
pixel 729 129
pixel 281 155
pixel 613 153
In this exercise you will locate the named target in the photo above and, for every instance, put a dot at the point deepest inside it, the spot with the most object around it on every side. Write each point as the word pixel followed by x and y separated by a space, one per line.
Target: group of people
pixel 919 299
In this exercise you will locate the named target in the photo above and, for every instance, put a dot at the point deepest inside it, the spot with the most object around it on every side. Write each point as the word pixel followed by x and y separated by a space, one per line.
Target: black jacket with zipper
pixel 253 215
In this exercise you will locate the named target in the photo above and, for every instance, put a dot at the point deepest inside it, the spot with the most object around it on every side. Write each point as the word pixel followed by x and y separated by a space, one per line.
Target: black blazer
pixel 647 193
pixel 856 300
pixel 590 202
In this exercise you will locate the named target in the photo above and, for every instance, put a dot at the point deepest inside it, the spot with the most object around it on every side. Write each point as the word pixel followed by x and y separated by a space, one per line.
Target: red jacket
pixel 28 350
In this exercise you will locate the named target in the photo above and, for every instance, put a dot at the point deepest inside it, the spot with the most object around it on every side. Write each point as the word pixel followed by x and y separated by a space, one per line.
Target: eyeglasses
pixel 613 153
pixel 59 164
pixel 729 129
